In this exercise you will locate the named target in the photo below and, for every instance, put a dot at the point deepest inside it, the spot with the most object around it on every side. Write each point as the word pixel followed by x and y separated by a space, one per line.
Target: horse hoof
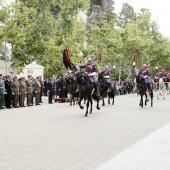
pixel 81 107
pixel 85 115
pixel 164 98
pixel 157 98
pixel 103 104
pixel 98 108
pixel 90 112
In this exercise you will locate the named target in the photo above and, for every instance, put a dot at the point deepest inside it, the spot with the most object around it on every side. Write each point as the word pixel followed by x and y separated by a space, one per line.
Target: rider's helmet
pixel 106 67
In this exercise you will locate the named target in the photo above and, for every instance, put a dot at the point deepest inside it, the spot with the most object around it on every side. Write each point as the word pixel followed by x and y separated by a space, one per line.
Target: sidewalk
pixel 151 153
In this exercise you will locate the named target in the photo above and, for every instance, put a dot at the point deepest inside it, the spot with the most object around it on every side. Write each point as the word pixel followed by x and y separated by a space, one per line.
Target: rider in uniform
pixel 106 74
pixel 90 69
pixel 163 74
pixel 146 74
pixel 143 69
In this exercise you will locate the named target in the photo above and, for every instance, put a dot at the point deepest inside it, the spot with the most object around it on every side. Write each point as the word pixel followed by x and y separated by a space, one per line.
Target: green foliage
pixel 41 30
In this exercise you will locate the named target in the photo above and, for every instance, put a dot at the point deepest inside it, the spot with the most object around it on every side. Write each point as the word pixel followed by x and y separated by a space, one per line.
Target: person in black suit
pixel 45 86
pixel 41 90
pixel 8 92
pixel 50 91
pixel 63 87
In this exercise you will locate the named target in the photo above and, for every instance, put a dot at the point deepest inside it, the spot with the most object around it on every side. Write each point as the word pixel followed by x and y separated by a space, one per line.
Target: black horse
pixel 104 89
pixel 142 89
pixel 72 88
pixel 85 91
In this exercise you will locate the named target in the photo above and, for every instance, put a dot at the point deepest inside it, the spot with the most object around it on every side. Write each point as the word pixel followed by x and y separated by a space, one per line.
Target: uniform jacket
pixel 29 86
pixel 22 88
pixel 162 74
pixel 15 87
pixel 8 90
pixel 106 73
pixel 2 87
pixel 37 86
pixel 146 73
pixel 50 87
pixel 90 68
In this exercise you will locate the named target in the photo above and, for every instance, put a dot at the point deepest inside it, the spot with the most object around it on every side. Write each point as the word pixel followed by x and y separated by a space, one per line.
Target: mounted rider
pixel 162 74
pixel 143 69
pixel 146 74
pixel 106 75
pixel 91 70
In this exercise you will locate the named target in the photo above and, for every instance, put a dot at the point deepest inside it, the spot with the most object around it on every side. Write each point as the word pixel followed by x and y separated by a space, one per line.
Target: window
pixel 30 71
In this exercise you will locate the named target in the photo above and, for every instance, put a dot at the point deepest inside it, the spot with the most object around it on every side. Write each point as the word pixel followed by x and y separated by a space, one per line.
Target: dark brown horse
pixel 142 89
pixel 72 88
pixel 104 89
pixel 85 92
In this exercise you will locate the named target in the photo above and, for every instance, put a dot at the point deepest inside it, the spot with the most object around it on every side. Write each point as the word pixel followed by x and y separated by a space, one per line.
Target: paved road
pixel 59 137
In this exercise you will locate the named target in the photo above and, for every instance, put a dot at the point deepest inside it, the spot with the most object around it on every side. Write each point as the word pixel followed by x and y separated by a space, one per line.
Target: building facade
pixel 33 69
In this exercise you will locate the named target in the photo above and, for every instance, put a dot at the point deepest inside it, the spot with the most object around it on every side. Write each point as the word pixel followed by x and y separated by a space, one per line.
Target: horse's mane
pixel 140 80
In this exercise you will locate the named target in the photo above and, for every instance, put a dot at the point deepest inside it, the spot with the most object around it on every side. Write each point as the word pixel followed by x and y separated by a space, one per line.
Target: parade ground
pixel 57 136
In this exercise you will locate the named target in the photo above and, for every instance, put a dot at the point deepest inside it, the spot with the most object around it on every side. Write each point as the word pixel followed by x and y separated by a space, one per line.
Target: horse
pixel 162 88
pixel 72 88
pixel 142 89
pixel 85 92
pixel 104 89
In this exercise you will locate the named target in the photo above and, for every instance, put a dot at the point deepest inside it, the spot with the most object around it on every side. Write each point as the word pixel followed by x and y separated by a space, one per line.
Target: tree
pixel 35 33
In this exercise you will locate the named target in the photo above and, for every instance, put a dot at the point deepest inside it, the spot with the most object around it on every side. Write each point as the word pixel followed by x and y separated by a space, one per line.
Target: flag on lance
pixel 134 56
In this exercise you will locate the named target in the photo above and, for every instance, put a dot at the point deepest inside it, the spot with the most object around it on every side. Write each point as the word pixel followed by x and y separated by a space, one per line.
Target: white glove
pixel 35 91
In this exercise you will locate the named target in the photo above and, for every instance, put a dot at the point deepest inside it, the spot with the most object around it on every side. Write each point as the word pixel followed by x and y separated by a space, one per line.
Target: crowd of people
pixel 14 92
pixel 22 92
